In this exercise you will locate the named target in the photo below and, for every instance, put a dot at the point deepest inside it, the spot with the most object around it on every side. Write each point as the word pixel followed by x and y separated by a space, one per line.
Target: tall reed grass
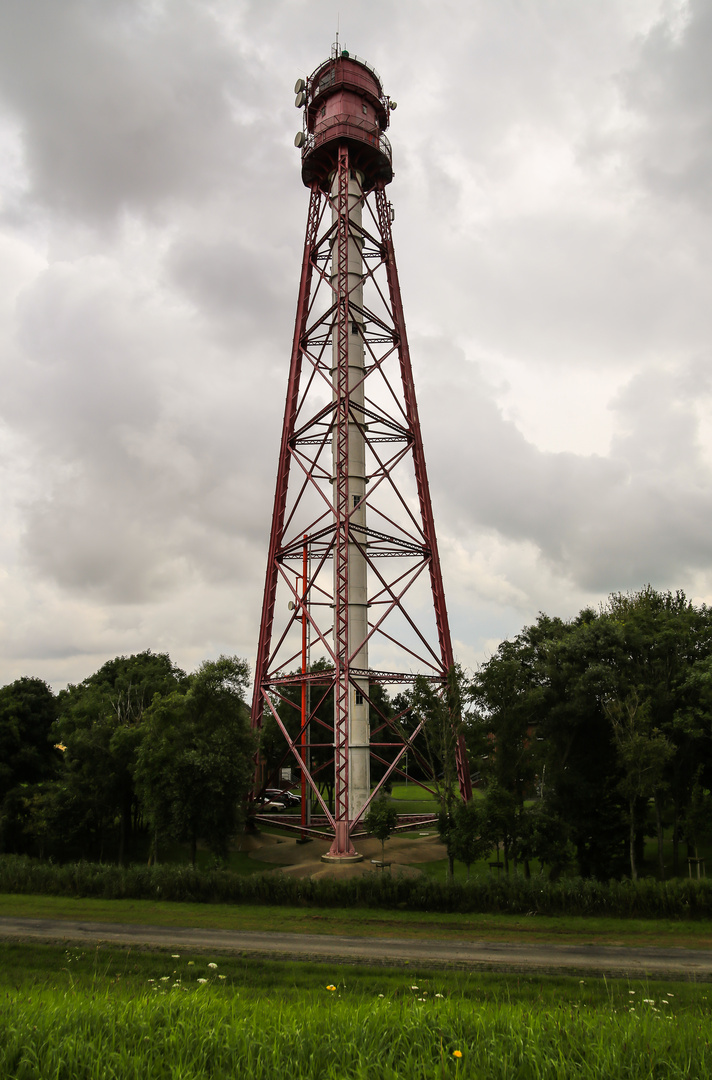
pixel 646 898
pixel 204 1031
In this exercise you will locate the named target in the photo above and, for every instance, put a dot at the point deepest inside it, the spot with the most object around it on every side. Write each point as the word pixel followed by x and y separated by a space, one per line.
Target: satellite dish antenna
pixel 300 99
pixel 299 140
pixel 299 86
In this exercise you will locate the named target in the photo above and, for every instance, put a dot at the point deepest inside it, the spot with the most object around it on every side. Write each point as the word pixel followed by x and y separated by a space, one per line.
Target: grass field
pixel 410 798
pixel 73 1014
pixel 367 922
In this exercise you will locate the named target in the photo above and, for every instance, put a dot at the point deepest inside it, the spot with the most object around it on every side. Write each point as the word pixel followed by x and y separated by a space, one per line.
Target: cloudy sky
pixel 553 194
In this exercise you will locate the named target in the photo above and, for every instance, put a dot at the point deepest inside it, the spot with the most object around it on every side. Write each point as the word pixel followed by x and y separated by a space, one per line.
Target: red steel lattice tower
pixel 353 563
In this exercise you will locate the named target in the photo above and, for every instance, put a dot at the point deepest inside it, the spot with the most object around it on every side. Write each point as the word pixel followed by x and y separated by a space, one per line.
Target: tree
pixel 644 752
pixel 471 836
pixel 100 723
pixel 551 843
pixel 194 766
pixel 440 710
pixel 501 817
pixel 583 664
pixel 666 647
pixel 547 700
pixel 692 735
pixel 698 816
pixel 27 758
pixel 381 820
pixel 538 698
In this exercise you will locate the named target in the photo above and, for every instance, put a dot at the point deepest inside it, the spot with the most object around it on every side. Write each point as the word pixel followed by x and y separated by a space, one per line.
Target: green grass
pixel 413 799
pixel 72 1014
pixel 649 864
pixel 239 862
pixel 365 922
pixel 438 869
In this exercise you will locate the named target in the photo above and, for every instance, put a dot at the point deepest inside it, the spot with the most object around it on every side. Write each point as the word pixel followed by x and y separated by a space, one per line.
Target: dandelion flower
pixel 631 991
pixel 457 1053
pixel 222 976
pixel 330 987
pixel 165 978
pixel 191 963
pixel 175 956
pixel 211 965
pixel 380 995
pixel 202 980
pixel 439 995
pixel 415 988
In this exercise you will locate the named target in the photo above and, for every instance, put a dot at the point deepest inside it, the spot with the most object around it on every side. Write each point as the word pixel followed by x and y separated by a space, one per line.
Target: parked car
pixel 266 805
pixel 284 796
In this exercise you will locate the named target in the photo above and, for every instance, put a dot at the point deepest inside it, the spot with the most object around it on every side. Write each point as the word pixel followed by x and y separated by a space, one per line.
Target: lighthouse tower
pixel 353 607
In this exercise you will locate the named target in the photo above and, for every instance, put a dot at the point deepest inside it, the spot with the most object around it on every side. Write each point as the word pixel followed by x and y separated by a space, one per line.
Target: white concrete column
pixel 359 725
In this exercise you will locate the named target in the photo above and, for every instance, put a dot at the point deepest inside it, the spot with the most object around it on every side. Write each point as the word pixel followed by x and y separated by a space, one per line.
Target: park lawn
pixel 365 922
pixel 74 1014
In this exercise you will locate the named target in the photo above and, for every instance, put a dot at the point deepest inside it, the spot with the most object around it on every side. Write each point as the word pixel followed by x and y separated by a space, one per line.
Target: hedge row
pixel 648 898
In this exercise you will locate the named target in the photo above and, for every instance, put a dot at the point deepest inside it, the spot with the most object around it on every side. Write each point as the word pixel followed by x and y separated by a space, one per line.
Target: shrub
pixel 647 898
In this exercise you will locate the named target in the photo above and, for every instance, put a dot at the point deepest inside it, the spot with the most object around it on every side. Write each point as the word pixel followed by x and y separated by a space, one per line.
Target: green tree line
pixel 593 733
pixel 585 737
pixel 139 749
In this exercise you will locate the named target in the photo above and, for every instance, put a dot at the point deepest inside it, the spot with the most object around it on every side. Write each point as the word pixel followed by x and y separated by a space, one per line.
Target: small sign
pixel 286 775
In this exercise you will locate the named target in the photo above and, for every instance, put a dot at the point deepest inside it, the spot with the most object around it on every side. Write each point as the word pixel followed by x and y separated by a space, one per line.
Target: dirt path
pixel 694 964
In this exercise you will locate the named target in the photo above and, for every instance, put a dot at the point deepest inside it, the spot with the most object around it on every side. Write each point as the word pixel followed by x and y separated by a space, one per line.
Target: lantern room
pixel 343 102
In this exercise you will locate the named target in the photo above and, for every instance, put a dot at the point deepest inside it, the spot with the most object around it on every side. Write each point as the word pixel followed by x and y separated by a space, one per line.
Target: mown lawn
pixel 366 922
pixel 71 1014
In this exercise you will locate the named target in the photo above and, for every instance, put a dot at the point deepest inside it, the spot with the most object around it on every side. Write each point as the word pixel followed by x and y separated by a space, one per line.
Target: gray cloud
pixel 552 197
pixel 671 90
pixel 123 104
pixel 640 514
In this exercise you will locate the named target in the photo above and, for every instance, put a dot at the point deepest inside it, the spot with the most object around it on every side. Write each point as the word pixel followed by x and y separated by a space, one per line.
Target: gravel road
pixel 694 964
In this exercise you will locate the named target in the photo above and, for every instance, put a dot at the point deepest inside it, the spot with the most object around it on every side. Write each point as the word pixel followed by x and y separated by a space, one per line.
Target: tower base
pixel 342 850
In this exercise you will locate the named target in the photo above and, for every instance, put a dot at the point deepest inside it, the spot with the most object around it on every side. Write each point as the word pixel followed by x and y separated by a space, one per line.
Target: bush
pixel 647 898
